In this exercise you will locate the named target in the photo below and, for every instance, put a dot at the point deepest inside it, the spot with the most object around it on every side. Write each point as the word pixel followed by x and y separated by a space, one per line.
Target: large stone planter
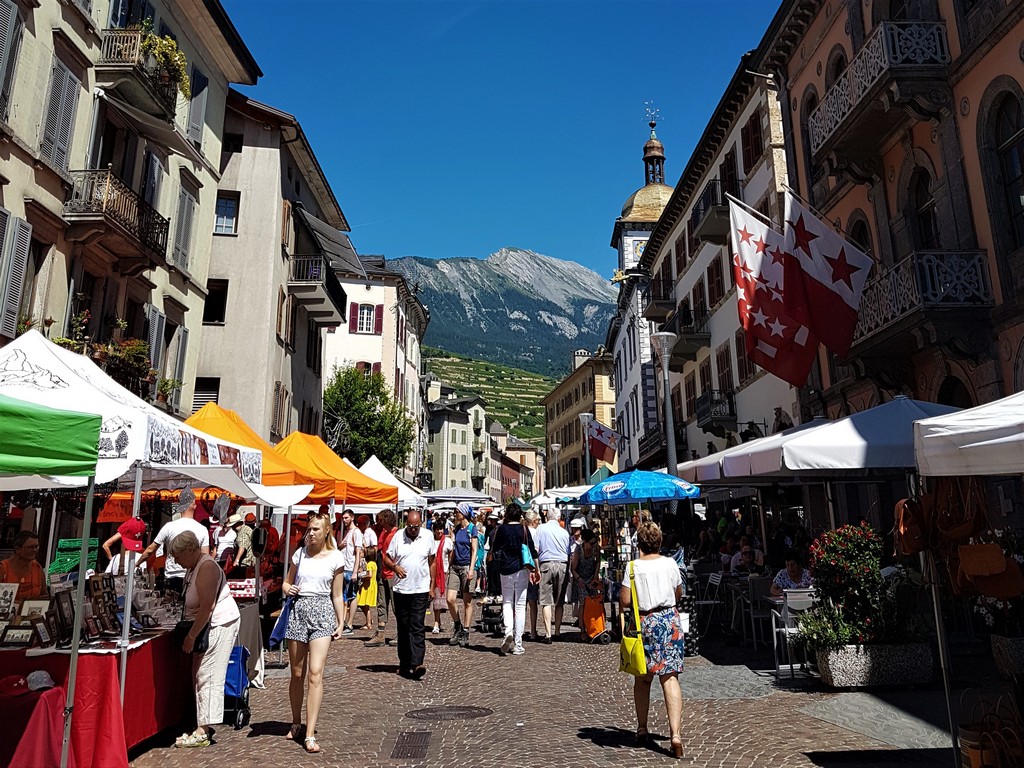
pixel 859 666
pixel 1008 653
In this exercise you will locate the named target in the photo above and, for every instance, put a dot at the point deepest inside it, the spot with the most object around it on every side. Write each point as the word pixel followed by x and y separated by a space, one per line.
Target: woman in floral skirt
pixel 658 590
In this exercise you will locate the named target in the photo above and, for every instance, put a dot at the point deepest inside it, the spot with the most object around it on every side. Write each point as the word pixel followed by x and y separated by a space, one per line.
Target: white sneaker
pixel 436 630
pixel 519 651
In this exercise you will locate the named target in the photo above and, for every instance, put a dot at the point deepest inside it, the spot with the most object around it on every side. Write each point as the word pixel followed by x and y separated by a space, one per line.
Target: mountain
pixel 516 307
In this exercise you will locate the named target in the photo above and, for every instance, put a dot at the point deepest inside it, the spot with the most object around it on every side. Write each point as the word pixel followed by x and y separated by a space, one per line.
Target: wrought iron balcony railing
pixel 715 405
pixel 101 192
pixel 894 46
pixel 123 48
pixel 924 280
pixel 316 270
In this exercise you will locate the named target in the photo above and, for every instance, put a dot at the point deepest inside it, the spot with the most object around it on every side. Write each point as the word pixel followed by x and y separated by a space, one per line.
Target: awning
pixel 38 440
pixel 163 133
pixel 353 486
pixel 335 244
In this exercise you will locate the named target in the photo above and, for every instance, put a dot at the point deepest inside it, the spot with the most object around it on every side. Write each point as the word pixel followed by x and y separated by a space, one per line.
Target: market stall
pixel 352 486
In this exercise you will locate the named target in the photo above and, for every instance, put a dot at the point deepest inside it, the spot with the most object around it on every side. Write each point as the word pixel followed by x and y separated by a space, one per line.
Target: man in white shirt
pixel 552 542
pixel 350 542
pixel 411 556
pixel 174 574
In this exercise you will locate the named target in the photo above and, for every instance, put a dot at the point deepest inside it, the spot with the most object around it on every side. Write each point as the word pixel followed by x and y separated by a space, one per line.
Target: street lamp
pixel 663 341
pixel 555 448
pixel 585 419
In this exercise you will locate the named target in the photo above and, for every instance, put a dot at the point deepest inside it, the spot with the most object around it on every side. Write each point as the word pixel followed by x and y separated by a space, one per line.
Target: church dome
pixel 647 203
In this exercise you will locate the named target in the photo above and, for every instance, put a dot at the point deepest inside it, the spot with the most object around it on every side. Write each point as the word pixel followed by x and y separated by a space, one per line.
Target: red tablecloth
pixel 158 694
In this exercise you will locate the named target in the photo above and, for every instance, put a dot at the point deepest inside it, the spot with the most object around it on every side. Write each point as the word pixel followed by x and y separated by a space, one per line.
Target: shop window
pixel 1010 146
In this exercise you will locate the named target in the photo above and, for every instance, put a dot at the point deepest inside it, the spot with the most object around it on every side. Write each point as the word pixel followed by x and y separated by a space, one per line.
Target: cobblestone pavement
pixel 559 705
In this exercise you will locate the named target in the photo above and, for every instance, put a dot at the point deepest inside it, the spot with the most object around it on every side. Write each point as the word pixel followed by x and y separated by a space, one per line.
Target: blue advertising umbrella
pixel 637 486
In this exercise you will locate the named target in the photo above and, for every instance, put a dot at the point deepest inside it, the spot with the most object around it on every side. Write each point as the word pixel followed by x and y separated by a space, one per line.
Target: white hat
pixel 578 522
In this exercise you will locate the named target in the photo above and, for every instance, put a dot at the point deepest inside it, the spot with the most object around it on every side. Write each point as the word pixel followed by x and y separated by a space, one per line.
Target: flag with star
pixel 604 441
pixel 825 277
pixel 775 340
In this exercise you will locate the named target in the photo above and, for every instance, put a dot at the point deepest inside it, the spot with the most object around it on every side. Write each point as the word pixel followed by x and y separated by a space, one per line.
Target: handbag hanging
pixel 525 554
pixel 632 658
pixel 277 636
pixel 202 642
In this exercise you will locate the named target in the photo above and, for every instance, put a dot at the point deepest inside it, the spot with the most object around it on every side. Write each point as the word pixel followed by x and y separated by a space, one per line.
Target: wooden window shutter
pixel 375 368
pixel 360 366
pixel 157 323
pixel 275 418
pixel 179 365
pixel 280 313
pixel 183 228
pixel 746 144
pixel 286 224
pixel 60 115
pixel 378 319
pixel 287 412
pixel 13 276
pixel 353 317
pixel 10 43
pixel 153 175
pixel 197 107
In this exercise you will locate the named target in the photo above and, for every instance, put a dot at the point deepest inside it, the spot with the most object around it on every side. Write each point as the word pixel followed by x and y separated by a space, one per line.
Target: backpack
pixel 909 535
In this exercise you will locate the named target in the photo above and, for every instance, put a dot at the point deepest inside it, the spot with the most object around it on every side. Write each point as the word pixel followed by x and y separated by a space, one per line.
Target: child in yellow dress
pixel 367 598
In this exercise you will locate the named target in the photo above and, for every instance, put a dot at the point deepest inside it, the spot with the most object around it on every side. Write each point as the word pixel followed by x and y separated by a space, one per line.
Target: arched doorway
pixel 954 392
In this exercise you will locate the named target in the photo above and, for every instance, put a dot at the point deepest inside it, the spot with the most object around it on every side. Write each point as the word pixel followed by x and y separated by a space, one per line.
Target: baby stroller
pixel 490 617
pixel 236 688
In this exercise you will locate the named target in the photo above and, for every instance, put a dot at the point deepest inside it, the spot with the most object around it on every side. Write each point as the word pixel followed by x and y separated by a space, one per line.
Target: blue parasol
pixel 636 486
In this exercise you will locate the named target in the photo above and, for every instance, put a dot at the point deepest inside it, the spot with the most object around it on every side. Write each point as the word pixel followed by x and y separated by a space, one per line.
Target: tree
pixel 362 418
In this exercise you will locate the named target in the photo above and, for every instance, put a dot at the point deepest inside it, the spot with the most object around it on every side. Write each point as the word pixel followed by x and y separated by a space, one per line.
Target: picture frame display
pixel 8 593
pixel 66 612
pixel 18 636
pixel 35 607
pixel 42 632
pixel 53 624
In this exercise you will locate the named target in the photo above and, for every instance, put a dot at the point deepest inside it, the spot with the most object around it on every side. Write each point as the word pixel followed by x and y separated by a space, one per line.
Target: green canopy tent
pixel 41 442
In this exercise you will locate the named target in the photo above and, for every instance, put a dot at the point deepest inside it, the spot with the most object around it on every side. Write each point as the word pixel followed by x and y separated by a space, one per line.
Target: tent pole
pixel 287 561
pixel 829 503
pixel 129 590
pixel 53 534
pixel 76 630
pixel 928 567
pixel 764 524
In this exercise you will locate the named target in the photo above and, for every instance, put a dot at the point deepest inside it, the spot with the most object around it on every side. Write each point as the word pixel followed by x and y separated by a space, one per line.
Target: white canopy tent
pixel 457 494
pixel 708 469
pixel 550 496
pixel 985 440
pixel 407 495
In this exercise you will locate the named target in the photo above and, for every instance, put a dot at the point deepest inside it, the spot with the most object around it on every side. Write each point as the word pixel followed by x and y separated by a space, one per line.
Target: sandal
pixel 642 737
pixel 194 739
pixel 294 731
pixel 310 744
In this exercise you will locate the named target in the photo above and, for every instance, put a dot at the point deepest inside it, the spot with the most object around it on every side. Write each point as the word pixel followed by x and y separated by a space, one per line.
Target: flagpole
pixel 754 211
pixel 824 219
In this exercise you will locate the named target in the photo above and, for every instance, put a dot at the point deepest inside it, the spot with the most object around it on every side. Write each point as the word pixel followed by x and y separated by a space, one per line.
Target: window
pixel 207 391
pixel 462 436
pixel 744 367
pixel 197 107
pixel 723 362
pixel 752 141
pixel 698 301
pixel 1010 146
pixel 463 461
pixel 677 406
pixel 314 346
pixel 215 308
pixel 705 375
pixel 727 174
pixel 860 235
pixel 716 284
pixel 59 122
pixel 232 143
pixel 183 227
pixel 680 252
pixel 454 435
pixel 690 385
pixel 923 206
pixel 11 29
pixel 226 222
pixel 454 460
pixel 365 324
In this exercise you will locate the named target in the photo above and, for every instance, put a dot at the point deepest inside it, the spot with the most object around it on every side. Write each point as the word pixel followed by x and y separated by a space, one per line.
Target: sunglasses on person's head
pixel 316 515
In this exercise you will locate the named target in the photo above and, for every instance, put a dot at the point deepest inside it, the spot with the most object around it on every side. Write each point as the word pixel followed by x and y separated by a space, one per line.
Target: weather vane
pixel 653 114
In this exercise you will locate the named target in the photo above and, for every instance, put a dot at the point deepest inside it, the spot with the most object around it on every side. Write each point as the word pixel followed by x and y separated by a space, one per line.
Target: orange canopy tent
pixel 277 468
pixel 309 450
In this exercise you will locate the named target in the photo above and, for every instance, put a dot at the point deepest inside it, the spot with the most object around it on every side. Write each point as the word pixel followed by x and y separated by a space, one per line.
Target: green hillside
pixel 512 395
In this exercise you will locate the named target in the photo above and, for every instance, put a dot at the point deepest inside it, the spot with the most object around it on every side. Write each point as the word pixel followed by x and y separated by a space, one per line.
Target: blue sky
pixel 456 128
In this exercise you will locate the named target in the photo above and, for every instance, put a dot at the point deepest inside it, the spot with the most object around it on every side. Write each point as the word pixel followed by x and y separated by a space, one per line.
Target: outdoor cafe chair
pixel 758 587
pixel 785 624
pixel 711 599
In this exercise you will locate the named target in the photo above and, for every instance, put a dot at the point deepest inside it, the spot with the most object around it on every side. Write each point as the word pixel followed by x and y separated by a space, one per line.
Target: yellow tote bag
pixel 631 649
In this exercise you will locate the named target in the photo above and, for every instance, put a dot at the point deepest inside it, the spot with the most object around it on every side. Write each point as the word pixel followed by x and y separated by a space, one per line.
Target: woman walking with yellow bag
pixel 654 583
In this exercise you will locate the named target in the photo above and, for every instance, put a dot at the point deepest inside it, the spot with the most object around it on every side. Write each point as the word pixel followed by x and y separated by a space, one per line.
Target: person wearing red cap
pixel 130 534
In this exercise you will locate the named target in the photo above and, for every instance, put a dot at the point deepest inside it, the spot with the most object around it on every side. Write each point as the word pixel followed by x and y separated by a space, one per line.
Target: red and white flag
pixel 604 441
pixel 775 340
pixel 825 277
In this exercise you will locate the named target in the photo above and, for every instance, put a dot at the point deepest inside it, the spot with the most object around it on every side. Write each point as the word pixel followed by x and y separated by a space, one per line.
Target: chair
pixel 711 598
pixel 785 623
pixel 758 587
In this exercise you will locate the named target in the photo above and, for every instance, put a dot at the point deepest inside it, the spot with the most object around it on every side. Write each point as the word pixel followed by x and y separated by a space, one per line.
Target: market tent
pixel 352 486
pixel 985 440
pixel 407 495
pixel 40 441
pixel 879 438
pixel 552 496
pixel 277 469
pixel 456 494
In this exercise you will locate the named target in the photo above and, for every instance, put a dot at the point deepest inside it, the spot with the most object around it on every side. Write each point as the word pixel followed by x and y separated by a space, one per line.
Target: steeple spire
pixel 654 151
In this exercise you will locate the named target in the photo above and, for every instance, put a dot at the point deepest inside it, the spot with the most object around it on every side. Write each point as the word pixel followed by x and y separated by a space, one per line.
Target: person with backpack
pixel 462 574
pixel 515 557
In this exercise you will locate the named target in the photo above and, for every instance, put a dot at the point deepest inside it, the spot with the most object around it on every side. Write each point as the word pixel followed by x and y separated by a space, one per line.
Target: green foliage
pixel 375 422
pixel 167 56
pixel 168 386
pixel 855 604
pixel 129 359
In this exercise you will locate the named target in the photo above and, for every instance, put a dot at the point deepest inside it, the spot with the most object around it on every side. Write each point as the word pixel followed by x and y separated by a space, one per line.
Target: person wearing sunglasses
pixel 410 555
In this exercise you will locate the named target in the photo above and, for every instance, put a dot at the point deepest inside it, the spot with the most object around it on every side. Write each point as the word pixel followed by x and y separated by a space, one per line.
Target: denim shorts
pixel 351 589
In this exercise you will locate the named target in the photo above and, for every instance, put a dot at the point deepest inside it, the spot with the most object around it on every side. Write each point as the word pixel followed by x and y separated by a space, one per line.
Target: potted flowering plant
pixel 166 388
pixel 1003 617
pixel 863 627
pixel 169 62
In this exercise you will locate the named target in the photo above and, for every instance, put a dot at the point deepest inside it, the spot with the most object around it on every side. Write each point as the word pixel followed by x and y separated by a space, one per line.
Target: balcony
pixel 478 422
pixel 311 280
pixel 658 299
pixel 102 208
pixel 124 68
pixel 651 447
pixel 902 64
pixel 716 412
pixel 478 470
pixel 478 446
pixel 709 219
pixel 692 335
pixel 928 295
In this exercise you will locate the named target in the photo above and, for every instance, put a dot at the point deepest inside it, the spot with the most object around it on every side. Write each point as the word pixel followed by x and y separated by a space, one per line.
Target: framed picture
pixel 8 591
pixel 42 632
pixel 92 628
pixel 17 636
pixel 66 610
pixel 35 607
pixel 52 624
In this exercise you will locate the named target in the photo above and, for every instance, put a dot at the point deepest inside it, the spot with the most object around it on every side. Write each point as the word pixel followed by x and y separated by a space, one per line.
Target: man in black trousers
pixel 411 556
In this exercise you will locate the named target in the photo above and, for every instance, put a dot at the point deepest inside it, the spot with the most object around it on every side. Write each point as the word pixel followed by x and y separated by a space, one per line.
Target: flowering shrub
pixel 856 605
pixel 1001 617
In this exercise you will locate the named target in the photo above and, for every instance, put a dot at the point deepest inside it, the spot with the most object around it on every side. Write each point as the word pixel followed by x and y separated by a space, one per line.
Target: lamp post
pixel 555 448
pixel 585 419
pixel 663 341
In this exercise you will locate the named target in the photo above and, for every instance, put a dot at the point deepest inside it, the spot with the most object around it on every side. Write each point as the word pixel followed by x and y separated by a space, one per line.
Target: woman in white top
pixel 207 601
pixel 658 589
pixel 316 583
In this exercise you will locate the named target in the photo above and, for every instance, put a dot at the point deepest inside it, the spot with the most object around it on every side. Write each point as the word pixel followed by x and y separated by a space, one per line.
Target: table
pixel 158 695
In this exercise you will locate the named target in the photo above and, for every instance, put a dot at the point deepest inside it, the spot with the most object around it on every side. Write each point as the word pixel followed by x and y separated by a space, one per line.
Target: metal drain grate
pixel 449 713
pixel 411 744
